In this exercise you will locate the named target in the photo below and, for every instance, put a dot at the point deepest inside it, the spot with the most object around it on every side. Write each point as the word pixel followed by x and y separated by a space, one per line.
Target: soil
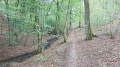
pixel 22 48
pixel 101 51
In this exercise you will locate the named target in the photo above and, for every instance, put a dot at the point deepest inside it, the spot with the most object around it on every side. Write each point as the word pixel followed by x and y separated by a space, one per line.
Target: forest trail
pixel 71 56
pixel 71 52
pixel 99 52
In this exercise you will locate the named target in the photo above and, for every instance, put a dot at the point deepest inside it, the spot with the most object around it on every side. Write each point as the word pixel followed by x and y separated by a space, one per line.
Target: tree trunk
pixel 8 22
pixel 80 16
pixel 89 33
pixel 57 19
pixel 70 15
pixel 1 25
pixel 66 24
pixel 15 26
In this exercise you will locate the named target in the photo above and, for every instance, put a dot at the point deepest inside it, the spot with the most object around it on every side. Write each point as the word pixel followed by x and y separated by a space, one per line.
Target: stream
pixel 23 57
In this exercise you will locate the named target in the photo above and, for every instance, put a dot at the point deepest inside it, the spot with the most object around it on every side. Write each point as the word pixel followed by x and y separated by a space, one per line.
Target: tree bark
pixel 70 15
pixel 57 18
pixel 80 16
pixel 8 22
pixel 15 26
pixel 66 24
pixel 89 33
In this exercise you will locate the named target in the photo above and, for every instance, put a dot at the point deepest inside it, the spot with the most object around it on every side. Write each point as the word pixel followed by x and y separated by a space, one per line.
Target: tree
pixel 70 15
pixel 57 17
pixel 15 22
pixel 89 33
pixel 8 20
pixel 66 22
pixel 80 15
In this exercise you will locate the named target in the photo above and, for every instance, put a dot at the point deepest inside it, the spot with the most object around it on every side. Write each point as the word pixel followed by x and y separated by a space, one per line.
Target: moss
pixel 65 39
pixel 91 35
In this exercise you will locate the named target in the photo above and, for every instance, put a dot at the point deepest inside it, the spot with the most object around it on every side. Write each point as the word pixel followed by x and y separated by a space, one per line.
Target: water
pixel 1 65
pixel 23 57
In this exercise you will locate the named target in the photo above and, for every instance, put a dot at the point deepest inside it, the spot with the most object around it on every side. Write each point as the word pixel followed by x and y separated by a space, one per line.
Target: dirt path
pixel 71 56
pixel 99 52
pixel 71 51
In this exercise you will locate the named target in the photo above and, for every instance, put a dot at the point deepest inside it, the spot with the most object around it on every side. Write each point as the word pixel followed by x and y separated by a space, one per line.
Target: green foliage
pixel 37 59
pixel 103 11
pixel 44 60
pixel 39 17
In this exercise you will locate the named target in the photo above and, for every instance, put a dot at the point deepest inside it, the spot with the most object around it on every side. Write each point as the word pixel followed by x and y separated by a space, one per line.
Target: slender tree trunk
pixel 41 24
pixel 1 28
pixel 1 25
pixel 69 24
pixel 80 17
pixel 70 15
pixel 79 24
pixel 66 23
pixel 57 18
pixel 40 28
pixel 39 36
pixel 8 22
pixel 15 26
pixel 89 33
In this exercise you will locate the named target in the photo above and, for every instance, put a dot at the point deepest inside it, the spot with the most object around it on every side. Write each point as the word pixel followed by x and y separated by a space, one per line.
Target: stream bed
pixel 21 58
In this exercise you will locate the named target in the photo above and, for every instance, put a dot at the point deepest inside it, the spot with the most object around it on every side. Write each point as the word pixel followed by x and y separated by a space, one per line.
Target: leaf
pixel 56 60
pixel 37 59
pixel 44 60
pixel 52 65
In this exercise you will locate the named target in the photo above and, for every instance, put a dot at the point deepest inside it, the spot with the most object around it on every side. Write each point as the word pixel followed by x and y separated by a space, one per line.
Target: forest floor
pixel 101 51
pixel 25 46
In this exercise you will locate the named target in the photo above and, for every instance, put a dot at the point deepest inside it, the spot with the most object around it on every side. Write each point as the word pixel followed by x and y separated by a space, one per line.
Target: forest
pixel 59 33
